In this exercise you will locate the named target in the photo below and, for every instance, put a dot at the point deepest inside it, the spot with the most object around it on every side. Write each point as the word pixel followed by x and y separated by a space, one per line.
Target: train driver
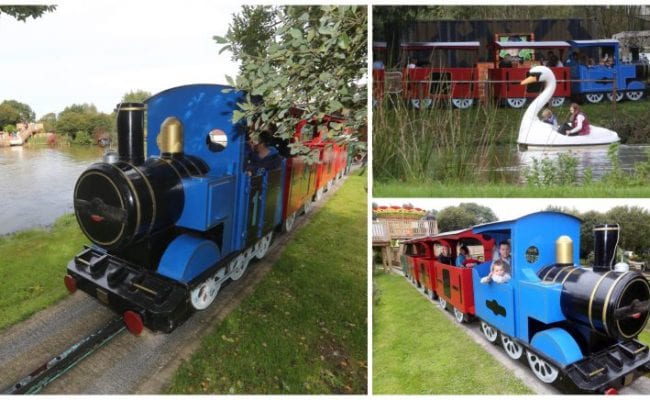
pixel 263 156
pixel 503 254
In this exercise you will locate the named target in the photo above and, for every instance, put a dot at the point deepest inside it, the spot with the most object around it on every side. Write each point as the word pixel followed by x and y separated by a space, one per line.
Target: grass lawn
pixel 304 329
pixel 418 189
pixel 32 266
pixel 417 350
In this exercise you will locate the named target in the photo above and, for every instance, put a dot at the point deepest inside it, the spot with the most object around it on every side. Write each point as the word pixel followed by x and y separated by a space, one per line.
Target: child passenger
pixel 549 118
pixel 498 273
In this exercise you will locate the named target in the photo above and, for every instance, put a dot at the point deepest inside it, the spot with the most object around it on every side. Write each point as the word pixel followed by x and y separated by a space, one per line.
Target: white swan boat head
pixel 535 133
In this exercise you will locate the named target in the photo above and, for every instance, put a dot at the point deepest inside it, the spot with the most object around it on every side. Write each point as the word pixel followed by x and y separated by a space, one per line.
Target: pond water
pixel 36 183
pixel 595 158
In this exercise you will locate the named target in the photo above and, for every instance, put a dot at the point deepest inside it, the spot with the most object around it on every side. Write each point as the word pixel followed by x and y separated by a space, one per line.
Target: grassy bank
pixel 304 329
pixel 394 188
pixel 32 266
pixel 417 350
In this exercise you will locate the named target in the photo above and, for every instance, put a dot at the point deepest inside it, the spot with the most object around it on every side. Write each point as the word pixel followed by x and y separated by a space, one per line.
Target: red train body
pixel 451 285
pixel 458 79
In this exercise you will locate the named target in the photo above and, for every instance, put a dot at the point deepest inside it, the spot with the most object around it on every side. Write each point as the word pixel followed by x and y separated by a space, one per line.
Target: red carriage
pixel 308 181
pixel 378 71
pixel 449 74
pixel 507 74
pixel 451 285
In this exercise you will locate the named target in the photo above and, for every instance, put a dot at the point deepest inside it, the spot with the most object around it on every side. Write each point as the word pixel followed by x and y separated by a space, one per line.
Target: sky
pixel 507 209
pixel 96 51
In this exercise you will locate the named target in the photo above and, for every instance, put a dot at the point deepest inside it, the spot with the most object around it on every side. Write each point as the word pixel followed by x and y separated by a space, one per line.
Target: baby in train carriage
pixel 498 273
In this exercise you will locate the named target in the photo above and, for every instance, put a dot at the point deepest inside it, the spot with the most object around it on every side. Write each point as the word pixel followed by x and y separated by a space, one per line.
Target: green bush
pixel 83 138
pixel 9 128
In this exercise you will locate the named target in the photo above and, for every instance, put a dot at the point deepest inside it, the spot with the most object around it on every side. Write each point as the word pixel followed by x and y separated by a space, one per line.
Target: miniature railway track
pixel 59 365
pixel 519 368
pixel 105 361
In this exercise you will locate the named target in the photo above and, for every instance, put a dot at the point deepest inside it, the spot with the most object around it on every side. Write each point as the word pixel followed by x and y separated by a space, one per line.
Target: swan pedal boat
pixel 534 133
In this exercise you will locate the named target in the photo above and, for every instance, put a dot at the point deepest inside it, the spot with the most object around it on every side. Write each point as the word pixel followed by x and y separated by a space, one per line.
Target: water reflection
pixel 36 183
pixel 595 158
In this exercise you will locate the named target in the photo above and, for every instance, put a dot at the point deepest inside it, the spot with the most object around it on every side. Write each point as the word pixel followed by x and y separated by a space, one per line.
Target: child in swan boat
pixel 578 123
pixel 549 118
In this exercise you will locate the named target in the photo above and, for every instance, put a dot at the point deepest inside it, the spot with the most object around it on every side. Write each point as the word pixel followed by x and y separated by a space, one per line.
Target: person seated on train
pixel 463 253
pixel 572 60
pixel 549 118
pixel 263 156
pixel 578 123
pixel 444 256
pixel 498 273
pixel 464 259
pixel 413 62
pixel 553 61
pixel 606 60
pixel 503 253
pixel 506 61
pixel 377 64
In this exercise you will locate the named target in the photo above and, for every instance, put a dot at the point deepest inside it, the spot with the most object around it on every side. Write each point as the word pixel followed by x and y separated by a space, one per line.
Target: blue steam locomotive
pixel 568 320
pixel 169 230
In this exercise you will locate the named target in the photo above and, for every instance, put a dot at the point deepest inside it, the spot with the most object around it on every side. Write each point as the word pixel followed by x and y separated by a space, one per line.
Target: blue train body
pixel 593 81
pixel 222 195
pixel 170 229
pixel 566 319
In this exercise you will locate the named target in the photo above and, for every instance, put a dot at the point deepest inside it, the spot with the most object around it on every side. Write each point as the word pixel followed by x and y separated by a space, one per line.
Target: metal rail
pixel 59 365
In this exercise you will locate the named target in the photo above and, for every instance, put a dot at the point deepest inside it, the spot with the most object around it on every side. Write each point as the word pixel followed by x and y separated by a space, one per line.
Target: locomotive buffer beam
pixel 59 365
pixel 620 361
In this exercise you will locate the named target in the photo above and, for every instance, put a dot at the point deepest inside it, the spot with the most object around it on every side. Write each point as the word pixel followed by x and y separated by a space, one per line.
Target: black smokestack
pixel 605 242
pixel 130 132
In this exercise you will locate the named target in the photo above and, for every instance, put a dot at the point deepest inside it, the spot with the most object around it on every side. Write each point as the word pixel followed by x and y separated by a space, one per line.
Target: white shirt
pixel 496 278
pixel 578 124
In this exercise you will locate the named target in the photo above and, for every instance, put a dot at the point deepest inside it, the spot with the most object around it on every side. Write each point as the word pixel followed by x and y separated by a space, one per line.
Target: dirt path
pixel 127 364
pixel 519 368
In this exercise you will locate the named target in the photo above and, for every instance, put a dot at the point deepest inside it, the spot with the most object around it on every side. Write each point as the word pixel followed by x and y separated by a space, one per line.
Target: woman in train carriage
pixel 444 256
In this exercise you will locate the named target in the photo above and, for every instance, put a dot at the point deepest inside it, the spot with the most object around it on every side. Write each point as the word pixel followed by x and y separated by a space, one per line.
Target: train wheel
pixel 319 194
pixel 434 296
pixel 427 103
pixel 204 294
pixel 594 97
pixel 544 371
pixel 329 185
pixel 513 349
pixel 263 245
pixel 238 266
pixel 288 223
pixel 489 332
pixel 306 208
pixel 516 102
pixel 619 96
pixel 557 101
pixel 415 103
pixel 462 103
pixel 442 302
pixel 634 95
pixel 460 316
